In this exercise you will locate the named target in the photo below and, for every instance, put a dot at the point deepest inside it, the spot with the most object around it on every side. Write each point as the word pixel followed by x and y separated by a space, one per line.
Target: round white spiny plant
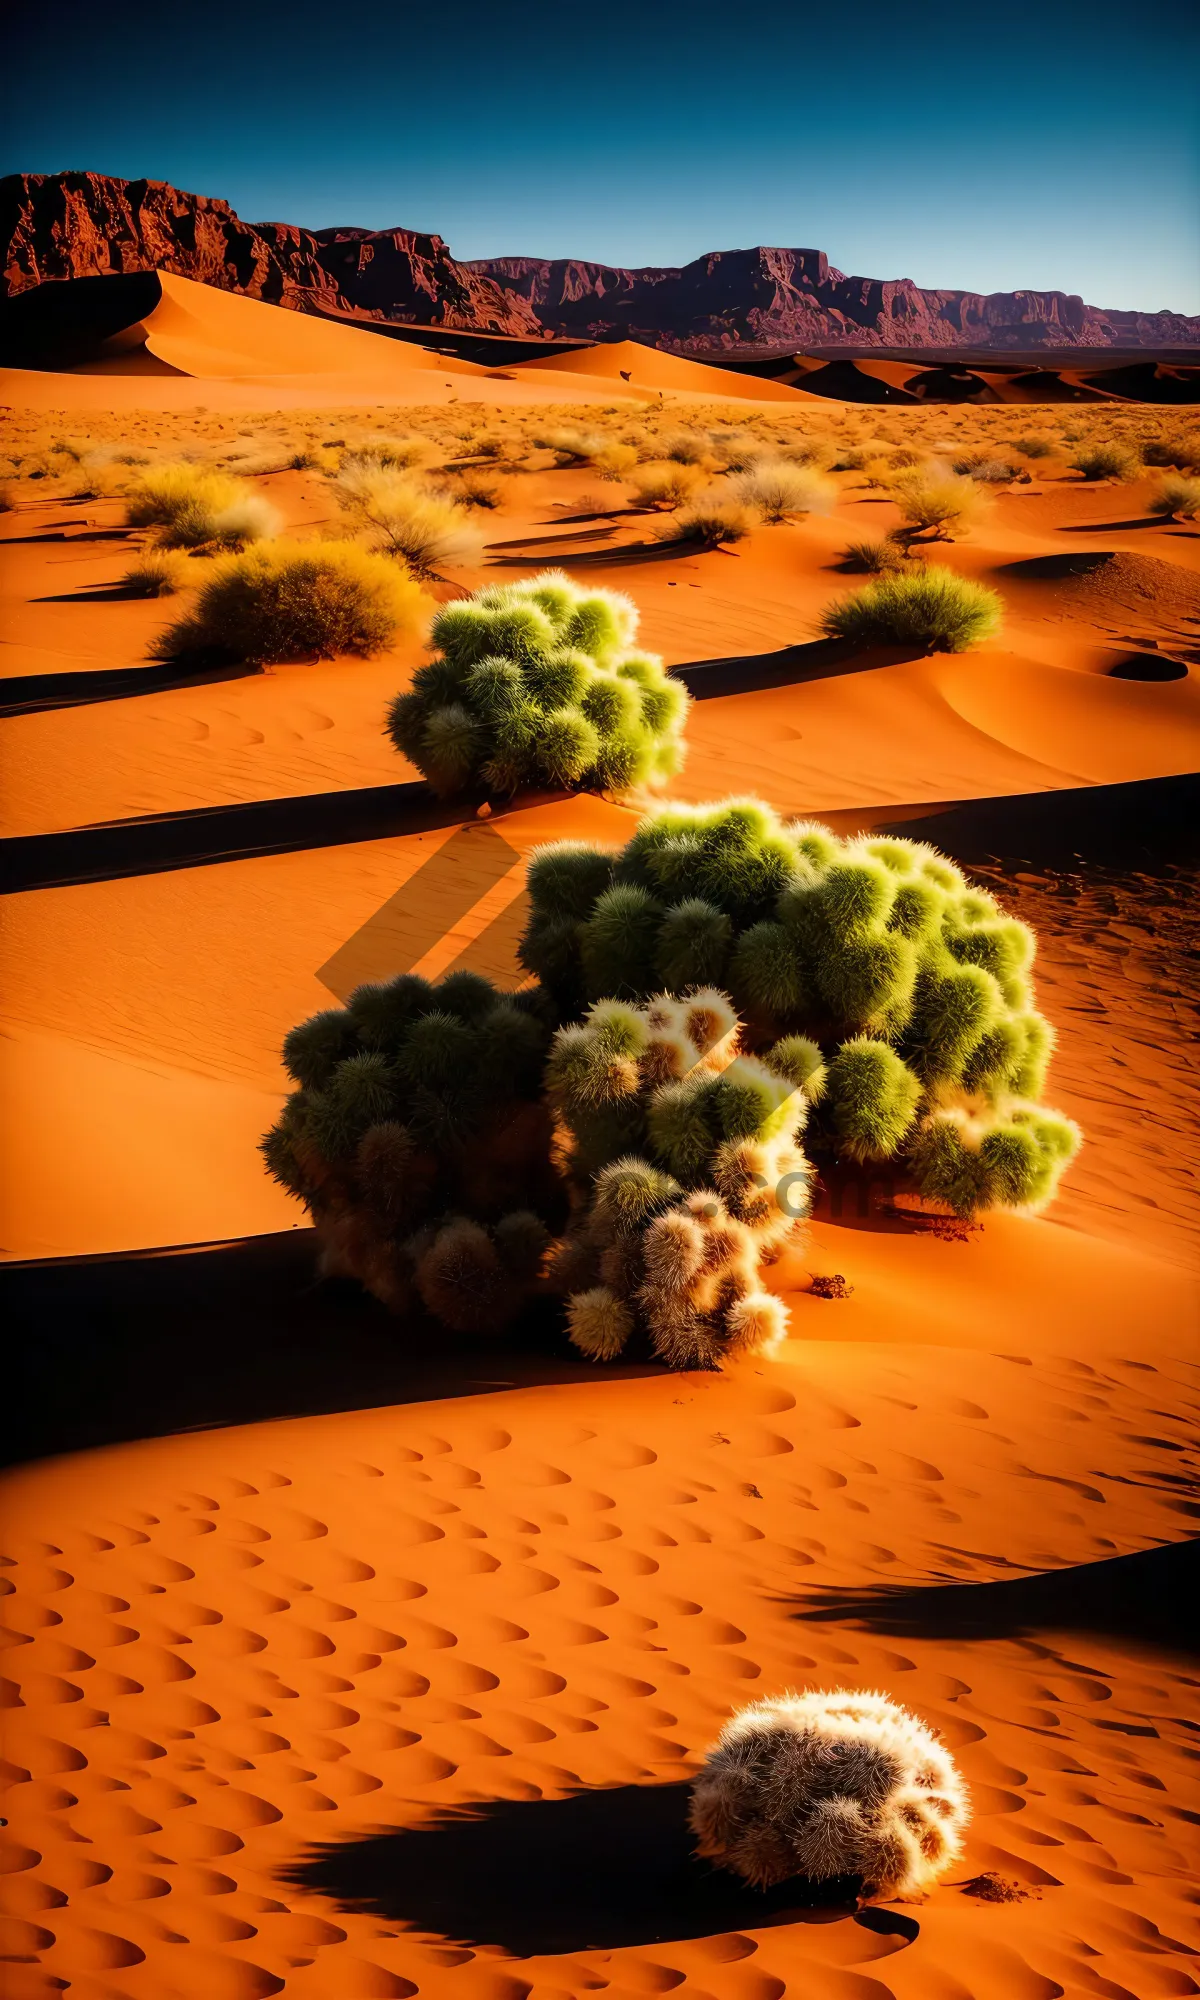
pixel 823 1785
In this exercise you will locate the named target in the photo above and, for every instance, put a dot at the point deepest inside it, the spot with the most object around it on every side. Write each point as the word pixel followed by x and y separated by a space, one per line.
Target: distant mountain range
pixel 73 225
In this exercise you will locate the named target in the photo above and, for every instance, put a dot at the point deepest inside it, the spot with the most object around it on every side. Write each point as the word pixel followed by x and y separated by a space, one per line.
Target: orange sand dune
pixel 348 1702
pixel 649 369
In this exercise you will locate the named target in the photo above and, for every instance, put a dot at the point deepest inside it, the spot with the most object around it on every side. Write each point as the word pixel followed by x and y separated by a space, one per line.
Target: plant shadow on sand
pixel 1143 1597
pixel 100 1341
pixel 597 1870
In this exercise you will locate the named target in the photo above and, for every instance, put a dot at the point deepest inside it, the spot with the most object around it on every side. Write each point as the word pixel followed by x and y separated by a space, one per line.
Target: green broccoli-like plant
pixel 688 1176
pixel 540 683
pixel 901 992
pixel 419 1141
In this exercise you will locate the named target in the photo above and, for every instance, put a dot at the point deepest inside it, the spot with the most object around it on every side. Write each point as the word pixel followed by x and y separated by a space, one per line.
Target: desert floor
pixel 366 1662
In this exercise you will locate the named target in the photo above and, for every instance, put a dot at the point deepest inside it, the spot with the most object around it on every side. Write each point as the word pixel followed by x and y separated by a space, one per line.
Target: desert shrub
pixel 985 467
pixel 665 485
pixel 1182 451
pixel 688 1174
pixel 191 507
pixel 1176 499
pixel 156 573
pixel 425 530
pixel 875 558
pixel 540 683
pixel 395 454
pixel 1034 445
pixel 825 1785
pixel 687 447
pixel 418 1140
pixel 709 520
pixel 615 460
pixel 735 451
pixel 291 600
pixel 927 606
pixel 475 489
pixel 868 971
pixel 779 491
pixel 1106 461
pixel 937 504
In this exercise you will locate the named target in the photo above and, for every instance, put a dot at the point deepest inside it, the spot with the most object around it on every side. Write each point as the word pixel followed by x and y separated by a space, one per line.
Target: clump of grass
pixel 156 573
pixel 986 468
pixel 296 600
pixel 929 606
pixel 875 558
pixel 475 489
pixel 779 491
pixel 1106 461
pixel 191 507
pixel 1034 445
pixel 1176 499
pixel 666 484
pixel 686 447
pixel 396 454
pixel 1183 452
pixel 423 529
pixel 710 521
pixel 937 504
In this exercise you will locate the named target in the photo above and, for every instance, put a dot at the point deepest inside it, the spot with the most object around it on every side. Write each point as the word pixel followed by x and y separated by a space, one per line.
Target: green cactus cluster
pixel 911 989
pixel 419 1139
pixel 687 1172
pixel 540 683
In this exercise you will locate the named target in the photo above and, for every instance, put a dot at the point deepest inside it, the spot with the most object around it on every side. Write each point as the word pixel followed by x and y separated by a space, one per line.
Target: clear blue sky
pixel 1048 146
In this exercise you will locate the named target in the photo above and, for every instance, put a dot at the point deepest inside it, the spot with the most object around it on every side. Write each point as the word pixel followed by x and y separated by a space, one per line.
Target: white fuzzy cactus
pixel 823 1785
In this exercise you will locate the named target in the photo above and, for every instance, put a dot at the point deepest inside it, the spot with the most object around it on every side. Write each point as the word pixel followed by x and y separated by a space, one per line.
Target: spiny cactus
pixel 540 683
pixel 912 989
pixel 688 1177
pixel 831 1785
pixel 420 1143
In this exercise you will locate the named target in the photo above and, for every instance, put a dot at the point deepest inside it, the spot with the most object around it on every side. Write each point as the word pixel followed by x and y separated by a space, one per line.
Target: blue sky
pixel 1049 146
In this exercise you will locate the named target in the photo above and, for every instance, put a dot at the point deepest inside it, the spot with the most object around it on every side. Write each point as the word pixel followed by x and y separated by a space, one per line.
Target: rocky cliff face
pixel 75 225
pixel 85 226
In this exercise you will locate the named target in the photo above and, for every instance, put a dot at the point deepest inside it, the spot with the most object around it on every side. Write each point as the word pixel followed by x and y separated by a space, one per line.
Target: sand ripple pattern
pixel 345 1706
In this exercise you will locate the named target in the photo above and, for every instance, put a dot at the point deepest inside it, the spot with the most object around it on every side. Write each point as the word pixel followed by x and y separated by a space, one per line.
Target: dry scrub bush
pixel 191 507
pixel 1176 499
pixel 928 606
pixel 875 558
pixel 1034 445
pixel 393 454
pixel 778 491
pixel 418 1141
pixel 1107 461
pixel 937 504
pixel 827 1786
pixel 1183 452
pixel 297 600
pixel 685 1161
pixel 984 467
pixel 156 573
pixel 475 489
pixel 405 520
pixel 709 520
pixel 869 971
pixel 667 484
pixel 540 683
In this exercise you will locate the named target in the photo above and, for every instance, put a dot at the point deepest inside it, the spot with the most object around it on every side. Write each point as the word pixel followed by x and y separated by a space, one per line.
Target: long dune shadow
pixel 110 1348
pixel 31 694
pixel 1151 1595
pixel 199 836
pixel 599 1870
pixel 156 842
